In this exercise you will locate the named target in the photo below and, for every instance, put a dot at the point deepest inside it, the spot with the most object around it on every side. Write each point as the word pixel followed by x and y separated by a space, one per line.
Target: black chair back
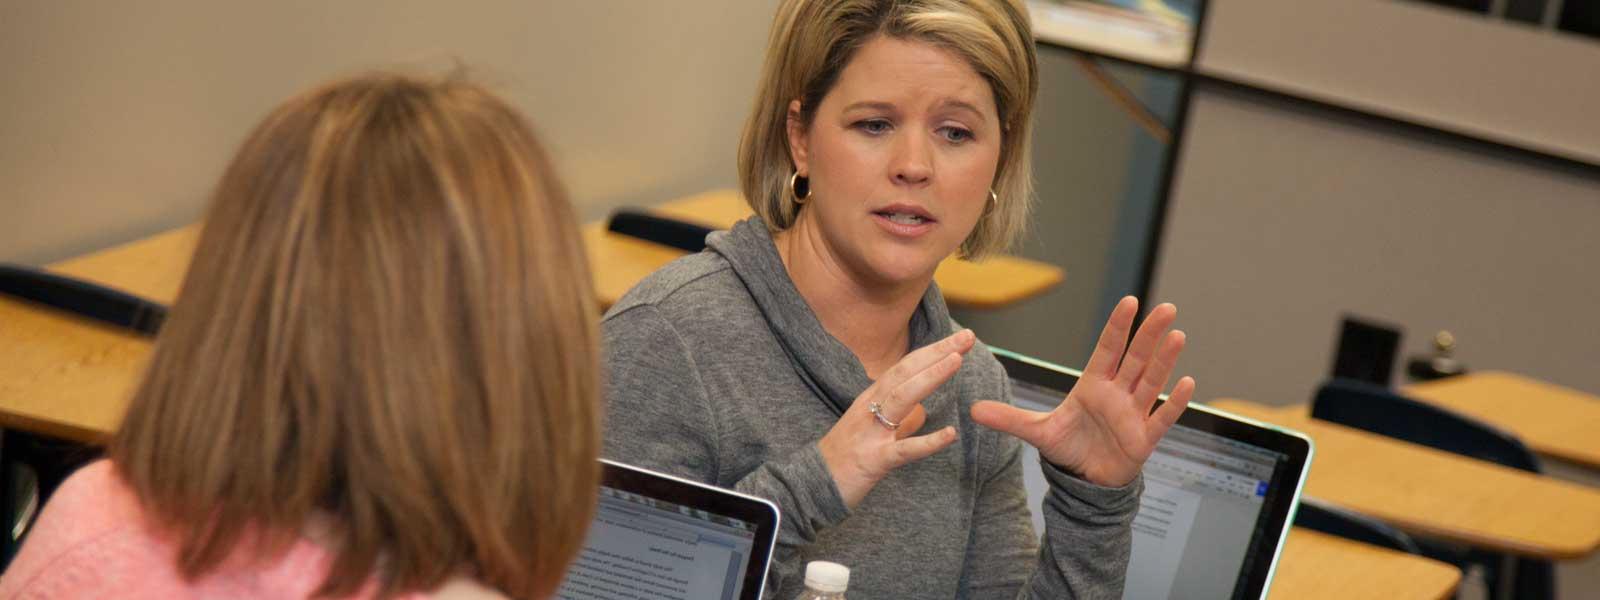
pixel 689 237
pixel 1366 350
pixel 1379 410
pixel 1350 525
pixel 97 302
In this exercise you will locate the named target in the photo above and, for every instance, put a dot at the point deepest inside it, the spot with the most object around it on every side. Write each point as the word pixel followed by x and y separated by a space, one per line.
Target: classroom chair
pixel 1379 410
pixel 32 466
pixel 97 302
pixel 667 231
pixel 1366 350
pixel 1333 520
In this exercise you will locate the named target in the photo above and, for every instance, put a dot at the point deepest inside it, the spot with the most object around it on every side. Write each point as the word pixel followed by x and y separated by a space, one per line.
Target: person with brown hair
pixel 378 380
pixel 808 357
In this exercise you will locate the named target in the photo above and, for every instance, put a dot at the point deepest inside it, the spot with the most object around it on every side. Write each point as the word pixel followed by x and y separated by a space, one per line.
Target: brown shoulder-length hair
pixel 389 328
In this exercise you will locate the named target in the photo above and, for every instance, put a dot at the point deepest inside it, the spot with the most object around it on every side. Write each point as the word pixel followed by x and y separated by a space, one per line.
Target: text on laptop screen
pixel 1200 515
pixel 642 547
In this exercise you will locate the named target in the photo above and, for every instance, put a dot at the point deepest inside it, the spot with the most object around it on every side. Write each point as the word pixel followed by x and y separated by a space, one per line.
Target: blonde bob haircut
pixel 386 342
pixel 813 40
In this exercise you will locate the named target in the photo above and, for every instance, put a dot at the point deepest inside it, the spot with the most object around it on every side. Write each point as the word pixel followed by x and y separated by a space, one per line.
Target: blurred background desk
pixel 1317 566
pixel 1554 421
pixel 69 377
pixel 1433 493
pixel 63 376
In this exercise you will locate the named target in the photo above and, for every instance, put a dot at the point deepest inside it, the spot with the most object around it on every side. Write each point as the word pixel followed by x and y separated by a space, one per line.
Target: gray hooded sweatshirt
pixel 720 372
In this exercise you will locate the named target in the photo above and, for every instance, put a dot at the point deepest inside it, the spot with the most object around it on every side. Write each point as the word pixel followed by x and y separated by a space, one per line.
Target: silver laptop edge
pixel 777 520
pixel 1300 482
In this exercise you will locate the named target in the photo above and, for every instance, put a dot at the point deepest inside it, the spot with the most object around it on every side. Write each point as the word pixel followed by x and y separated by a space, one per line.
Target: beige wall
pixel 1503 81
pixel 116 117
pixel 1284 217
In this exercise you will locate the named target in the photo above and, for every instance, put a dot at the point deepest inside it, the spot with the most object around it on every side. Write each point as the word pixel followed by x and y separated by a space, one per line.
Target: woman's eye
pixel 955 134
pixel 873 126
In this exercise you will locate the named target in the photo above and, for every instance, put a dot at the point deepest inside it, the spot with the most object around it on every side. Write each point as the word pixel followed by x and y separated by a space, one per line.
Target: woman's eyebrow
pixel 870 104
pixel 960 105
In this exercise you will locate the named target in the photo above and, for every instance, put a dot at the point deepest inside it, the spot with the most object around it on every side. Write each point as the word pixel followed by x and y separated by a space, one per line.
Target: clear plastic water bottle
pixel 825 581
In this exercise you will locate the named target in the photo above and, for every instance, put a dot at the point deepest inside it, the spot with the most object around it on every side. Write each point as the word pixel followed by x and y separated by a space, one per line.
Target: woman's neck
pixel 871 317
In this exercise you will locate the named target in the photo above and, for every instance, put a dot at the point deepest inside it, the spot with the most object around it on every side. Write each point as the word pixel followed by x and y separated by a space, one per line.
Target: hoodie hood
pixel 826 365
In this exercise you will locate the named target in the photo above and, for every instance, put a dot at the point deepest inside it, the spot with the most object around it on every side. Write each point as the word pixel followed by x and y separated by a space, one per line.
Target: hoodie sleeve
pixel 658 416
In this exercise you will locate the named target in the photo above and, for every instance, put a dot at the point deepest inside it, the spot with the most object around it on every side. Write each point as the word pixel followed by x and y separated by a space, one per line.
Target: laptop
pixel 1220 492
pixel 659 536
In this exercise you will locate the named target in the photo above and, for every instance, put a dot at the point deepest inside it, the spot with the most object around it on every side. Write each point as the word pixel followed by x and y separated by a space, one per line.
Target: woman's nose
pixel 912 163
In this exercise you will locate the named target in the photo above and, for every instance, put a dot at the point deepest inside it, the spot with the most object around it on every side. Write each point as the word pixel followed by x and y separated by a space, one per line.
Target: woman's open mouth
pixel 904 221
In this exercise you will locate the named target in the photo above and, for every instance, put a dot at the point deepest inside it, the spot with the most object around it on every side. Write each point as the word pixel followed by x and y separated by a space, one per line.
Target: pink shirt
pixel 92 542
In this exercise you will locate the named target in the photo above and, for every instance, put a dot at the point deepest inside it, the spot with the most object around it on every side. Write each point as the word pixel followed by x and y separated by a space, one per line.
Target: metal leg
pixel 1505 587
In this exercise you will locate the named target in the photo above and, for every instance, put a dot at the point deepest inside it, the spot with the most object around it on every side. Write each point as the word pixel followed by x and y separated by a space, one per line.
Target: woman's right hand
pixel 860 451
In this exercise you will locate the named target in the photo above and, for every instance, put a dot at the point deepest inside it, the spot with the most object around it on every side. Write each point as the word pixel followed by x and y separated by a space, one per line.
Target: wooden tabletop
pixel 996 282
pixel 619 261
pixel 64 376
pixel 152 267
pixel 1552 420
pixel 1316 565
pixel 70 377
pixel 1431 492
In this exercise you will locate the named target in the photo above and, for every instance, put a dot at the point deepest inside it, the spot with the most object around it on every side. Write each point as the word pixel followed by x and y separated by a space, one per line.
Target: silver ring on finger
pixel 877 413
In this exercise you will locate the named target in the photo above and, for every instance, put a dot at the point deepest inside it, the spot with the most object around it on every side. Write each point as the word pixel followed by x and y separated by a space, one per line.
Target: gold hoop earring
pixel 794 188
pixel 994 201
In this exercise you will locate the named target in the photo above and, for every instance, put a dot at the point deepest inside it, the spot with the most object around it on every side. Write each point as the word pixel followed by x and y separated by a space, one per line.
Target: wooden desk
pixel 620 261
pixel 1553 420
pixel 64 376
pixel 152 267
pixel 1435 493
pixel 69 377
pixel 1316 565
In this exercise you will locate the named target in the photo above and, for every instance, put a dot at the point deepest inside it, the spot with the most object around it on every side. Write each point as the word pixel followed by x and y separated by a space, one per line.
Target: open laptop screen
pixel 1200 518
pixel 1217 497
pixel 648 542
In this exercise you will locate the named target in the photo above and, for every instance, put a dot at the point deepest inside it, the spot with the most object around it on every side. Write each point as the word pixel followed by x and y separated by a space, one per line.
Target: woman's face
pixel 900 157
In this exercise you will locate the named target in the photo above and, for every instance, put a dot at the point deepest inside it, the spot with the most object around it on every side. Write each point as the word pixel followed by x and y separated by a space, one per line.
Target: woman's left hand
pixel 1104 430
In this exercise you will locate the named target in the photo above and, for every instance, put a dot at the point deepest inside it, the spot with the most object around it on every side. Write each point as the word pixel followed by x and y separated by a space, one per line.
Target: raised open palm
pixel 1104 430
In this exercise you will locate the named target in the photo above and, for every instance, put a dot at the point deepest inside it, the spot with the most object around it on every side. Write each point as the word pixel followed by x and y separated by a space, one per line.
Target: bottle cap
pixel 824 576
pixel 1444 342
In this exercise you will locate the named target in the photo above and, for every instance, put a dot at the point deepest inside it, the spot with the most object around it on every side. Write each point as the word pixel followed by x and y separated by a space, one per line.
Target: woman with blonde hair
pixel 378 380
pixel 808 357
